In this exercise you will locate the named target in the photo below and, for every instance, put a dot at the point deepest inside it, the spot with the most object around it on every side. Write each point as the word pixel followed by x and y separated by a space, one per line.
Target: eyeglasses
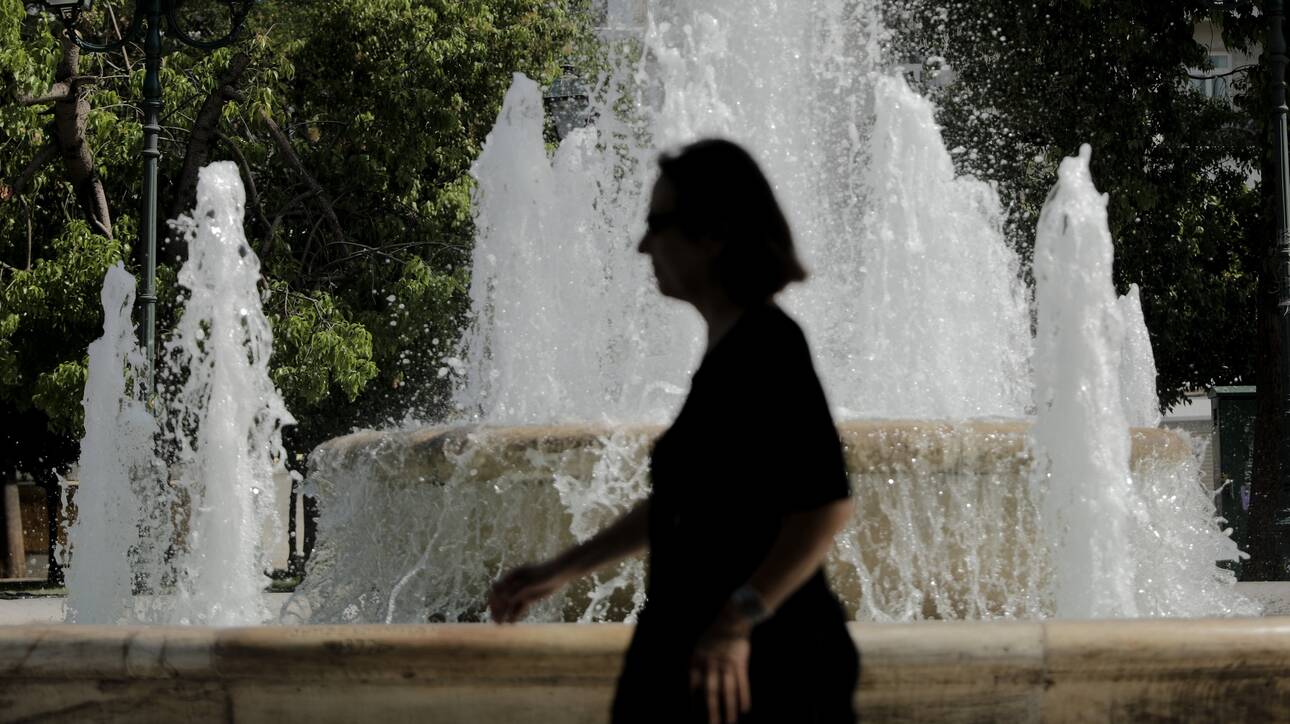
pixel 660 222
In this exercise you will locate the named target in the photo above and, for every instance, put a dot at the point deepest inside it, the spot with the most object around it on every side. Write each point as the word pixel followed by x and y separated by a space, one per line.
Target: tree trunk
pixel 70 112
pixel 319 194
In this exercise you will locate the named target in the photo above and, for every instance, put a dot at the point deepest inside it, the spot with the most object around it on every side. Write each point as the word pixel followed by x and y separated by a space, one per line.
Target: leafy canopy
pixel 382 104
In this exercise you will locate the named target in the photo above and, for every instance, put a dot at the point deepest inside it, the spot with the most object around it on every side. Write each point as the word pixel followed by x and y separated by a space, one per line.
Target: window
pixel 1212 83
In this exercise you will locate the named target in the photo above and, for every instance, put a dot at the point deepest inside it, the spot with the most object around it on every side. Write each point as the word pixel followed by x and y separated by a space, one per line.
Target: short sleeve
pixel 806 453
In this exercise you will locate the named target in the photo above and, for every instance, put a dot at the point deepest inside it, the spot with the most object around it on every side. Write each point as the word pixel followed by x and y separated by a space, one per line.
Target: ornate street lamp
pixel 67 10
pixel 568 102
pixel 146 28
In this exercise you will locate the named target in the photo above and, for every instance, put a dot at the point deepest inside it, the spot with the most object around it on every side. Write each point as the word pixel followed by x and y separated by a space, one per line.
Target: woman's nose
pixel 641 246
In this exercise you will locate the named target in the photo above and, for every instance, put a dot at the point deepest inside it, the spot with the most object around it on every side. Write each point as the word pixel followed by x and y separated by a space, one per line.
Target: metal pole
pixel 1277 88
pixel 151 129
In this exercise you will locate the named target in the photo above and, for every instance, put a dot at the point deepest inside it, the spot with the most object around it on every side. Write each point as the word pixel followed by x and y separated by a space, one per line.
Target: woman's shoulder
pixel 765 340
pixel 776 329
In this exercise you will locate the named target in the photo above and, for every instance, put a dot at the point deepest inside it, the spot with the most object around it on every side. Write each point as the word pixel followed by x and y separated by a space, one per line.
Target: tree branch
pixel 129 67
pixel 295 200
pixel 60 92
pixel 42 158
pixel 309 245
pixel 31 237
pixel 69 121
pixel 252 192
pixel 324 200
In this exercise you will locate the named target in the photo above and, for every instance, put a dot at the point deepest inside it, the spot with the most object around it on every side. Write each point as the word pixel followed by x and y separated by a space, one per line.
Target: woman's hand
pixel 719 668
pixel 521 587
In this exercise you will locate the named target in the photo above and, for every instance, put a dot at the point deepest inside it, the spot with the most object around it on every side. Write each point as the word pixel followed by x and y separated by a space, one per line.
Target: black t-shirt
pixel 753 443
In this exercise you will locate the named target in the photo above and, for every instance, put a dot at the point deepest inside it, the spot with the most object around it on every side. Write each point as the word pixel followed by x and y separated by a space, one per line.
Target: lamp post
pixel 146 27
pixel 1275 11
pixel 1276 538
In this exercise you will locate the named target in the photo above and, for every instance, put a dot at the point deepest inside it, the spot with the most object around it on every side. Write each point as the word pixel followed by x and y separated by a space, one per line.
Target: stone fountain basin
pixel 945 523
pixel 872 446
pixel 1200 670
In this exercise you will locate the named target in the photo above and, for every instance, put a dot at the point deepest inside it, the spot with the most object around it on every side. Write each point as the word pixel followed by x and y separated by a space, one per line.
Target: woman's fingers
pixel 712 680
pixel 521 609
pixel 722 691
pixel 502 599
pixel 511 596
pixel 719 674
pixel 730 691
pixel 745 689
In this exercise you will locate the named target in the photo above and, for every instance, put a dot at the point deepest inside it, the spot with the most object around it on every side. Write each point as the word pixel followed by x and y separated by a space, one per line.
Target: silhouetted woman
pixel 749 485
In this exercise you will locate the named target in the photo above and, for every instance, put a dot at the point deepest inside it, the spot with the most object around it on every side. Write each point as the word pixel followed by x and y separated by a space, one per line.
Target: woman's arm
pixel 521 587
pixel 719 667
pixel 624 537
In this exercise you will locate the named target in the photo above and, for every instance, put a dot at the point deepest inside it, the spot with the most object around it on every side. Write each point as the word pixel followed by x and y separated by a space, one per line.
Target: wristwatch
pixel 749 604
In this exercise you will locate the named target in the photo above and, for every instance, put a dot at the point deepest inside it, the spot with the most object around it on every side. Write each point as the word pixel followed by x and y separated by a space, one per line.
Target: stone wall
pixel 1202 670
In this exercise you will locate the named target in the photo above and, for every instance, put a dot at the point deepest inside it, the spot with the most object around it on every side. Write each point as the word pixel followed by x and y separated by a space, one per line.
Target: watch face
pixel 749 604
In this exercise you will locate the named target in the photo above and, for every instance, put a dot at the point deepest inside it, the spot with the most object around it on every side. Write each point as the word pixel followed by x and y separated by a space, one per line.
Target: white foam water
pixel 190 547
pixel 121 478
pixel 915 309
pixel 564 325
pixel 1120 547
pixel 1089 503
pixel 227 414
pixel 941 324
pixel 1137 364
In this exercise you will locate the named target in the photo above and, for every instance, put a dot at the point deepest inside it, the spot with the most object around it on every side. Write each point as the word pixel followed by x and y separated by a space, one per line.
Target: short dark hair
pixel 722 193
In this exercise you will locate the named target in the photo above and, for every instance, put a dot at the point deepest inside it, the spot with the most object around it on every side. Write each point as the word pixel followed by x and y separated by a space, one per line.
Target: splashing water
pixel 194 546
pixel 1137 364
pixel 121 477
pixel 568 325
pixel 1122 547
pixel 942 323
pixel 914 308
pixel 1088 496
pixel 557 286
pixel 222 347
pixel 417 526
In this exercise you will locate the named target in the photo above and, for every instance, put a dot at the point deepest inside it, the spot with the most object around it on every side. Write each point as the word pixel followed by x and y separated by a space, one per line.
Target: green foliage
pixel 384 103
pixel 55 300
pixel 58 395
pixel 1034 81
pixel 316 350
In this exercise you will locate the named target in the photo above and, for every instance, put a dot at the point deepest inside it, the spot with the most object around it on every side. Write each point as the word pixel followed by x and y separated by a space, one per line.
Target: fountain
pixel 117 453
pixel 916 312
pixel 196 541
pixel 977 501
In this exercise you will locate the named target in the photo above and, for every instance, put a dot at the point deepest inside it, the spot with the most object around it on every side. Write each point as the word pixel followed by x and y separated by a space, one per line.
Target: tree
pixel 354 125
pixel 1267 531
pixel 1190 216
pixel 1033 81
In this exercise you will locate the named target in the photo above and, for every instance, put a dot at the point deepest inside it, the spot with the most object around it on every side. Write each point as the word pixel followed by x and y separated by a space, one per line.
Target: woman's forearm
pixel 804 541
pixel 626 536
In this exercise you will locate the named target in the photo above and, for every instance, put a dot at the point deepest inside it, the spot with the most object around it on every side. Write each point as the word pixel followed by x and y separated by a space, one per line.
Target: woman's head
pixel 714 220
